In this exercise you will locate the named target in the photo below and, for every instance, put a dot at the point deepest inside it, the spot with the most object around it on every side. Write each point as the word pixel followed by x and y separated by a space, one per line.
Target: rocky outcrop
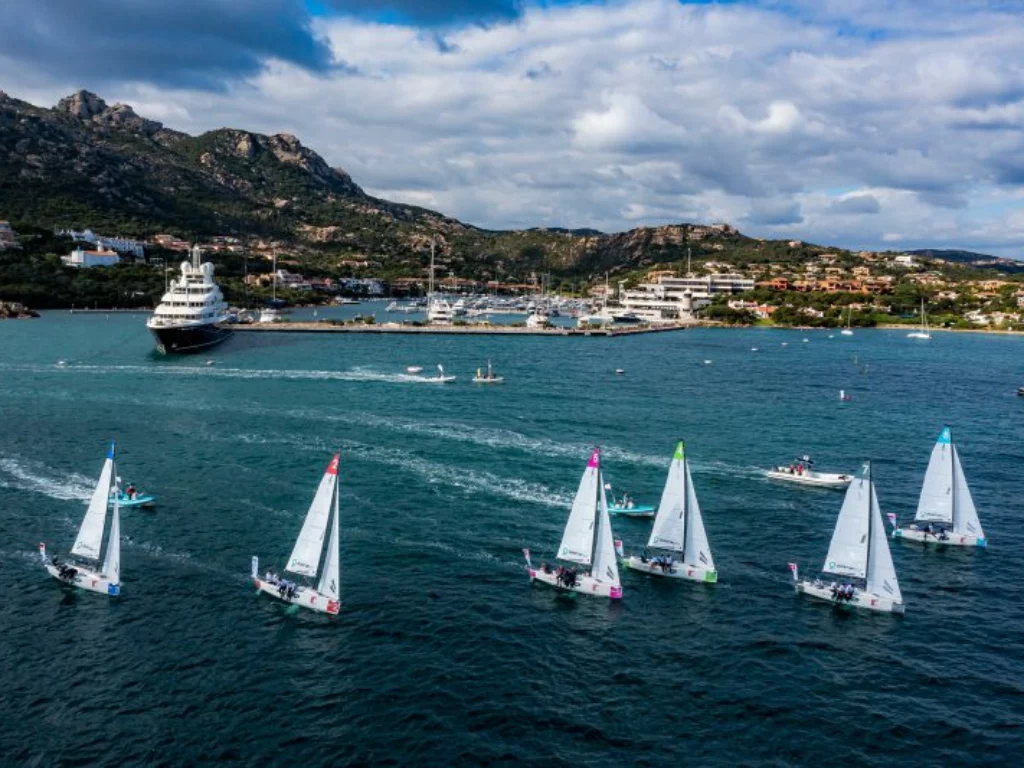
pixel 84 105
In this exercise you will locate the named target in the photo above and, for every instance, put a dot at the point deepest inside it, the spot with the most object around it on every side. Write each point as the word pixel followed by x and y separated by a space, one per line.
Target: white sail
pixel 698 551
pixel 605 567
pixel 848 552
pixel 669 528
pixel 90 535
pixel 112 562
pixel 305 557
pixel 329 578
pixel 936 502
pixel 881 575
pixel 578 539
pixel 965 516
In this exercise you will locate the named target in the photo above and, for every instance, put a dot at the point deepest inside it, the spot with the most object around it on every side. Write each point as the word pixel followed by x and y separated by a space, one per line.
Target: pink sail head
pixel 595 459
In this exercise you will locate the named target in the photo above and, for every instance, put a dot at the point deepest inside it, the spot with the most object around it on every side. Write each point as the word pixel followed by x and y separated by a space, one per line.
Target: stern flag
pixel 892 519
pixel 793 568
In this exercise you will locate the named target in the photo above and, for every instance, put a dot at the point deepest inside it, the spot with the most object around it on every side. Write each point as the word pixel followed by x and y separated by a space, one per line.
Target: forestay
pixel 606 567
pixel 578 538
pixel 697 551
pixel 881 575
pixel 669 527
pixel 848 552
pixel 305 557
pixel 965 516
pixel 90 535
pixel 936 502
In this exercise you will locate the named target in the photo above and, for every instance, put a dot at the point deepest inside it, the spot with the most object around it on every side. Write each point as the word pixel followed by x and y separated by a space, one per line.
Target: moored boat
pixel 306 555
pixel 586 542
pixel 858 552
pixel 946 514
pixel 678 531
pixel 84 569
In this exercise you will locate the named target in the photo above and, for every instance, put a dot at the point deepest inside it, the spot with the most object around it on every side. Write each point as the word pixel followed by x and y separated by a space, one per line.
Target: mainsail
pixel 90 535
pixel 605 567
pixel 329 578
pixel 965 516
pixel 578 539
pixel 936 502
pixel 881 575
pixel 848 552
pixel 305 557
pixel 669 528
pixel 697 551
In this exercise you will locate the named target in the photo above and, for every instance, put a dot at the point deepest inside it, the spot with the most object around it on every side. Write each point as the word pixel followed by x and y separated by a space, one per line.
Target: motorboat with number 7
pixel 626 506
pixel 307 553
pixel 858 553
pixel 945 511
pixel 799 472
pixel 678 531
pixel 587 541
pixel 84 569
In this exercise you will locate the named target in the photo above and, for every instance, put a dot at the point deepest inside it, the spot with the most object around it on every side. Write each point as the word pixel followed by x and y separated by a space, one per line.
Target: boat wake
pixel 34 477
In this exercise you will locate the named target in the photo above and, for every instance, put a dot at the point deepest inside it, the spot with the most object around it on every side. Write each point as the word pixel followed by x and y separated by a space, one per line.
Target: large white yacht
pixel 191 315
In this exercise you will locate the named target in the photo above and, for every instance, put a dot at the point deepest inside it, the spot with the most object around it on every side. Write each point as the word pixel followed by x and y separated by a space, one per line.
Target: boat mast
pixel 871 502
pixel 597 516
pixel 686 501
pixel 430 281
pixel 952 476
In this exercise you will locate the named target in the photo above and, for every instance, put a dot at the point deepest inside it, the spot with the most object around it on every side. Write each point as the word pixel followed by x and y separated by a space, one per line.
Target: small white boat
pixel 843 397
pixel 84 570
pixel 487 378
pixel 708 362
pixel 859 552
pixel 306 555
pixel 800 473
pixel 414 369
pixel 753 349
pixel 440 378
pixel 848 331
pixel 587 541
pixel 922 333
pixel 620 372
pixel 945 511
pixel 678 530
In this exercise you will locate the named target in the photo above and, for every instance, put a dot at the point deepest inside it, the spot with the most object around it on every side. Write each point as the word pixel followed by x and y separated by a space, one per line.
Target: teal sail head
pixel 945 436
pixel 110 453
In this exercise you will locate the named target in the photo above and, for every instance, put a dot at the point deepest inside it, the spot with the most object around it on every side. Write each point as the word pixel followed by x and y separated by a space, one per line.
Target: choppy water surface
pixel 444 653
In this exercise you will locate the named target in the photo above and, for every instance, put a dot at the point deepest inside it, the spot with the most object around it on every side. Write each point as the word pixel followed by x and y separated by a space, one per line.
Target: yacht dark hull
pixel 186 340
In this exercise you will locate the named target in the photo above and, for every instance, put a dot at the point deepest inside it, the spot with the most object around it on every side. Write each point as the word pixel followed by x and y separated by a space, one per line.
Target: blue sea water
pixel 444 653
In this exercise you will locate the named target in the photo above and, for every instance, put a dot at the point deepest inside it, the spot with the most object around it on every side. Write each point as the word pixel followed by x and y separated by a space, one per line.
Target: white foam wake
pixel 34 477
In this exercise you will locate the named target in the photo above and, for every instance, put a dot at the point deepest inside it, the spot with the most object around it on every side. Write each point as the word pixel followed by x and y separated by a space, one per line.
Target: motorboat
pixel 489 377
pixel 800 472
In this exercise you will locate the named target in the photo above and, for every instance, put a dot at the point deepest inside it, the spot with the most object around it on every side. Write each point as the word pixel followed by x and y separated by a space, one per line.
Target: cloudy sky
pixel 864 123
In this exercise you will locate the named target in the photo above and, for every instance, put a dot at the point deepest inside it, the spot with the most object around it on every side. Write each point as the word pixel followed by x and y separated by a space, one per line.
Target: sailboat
pixel 81 571
pixel 848 331
pixel 922 333
pixel 678 530
pixel 587 541
pixel 859 551
pixel 945 501
pixel 307 553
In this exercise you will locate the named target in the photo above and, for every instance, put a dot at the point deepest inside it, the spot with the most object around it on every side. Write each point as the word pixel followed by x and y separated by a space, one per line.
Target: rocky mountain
pixel 84 163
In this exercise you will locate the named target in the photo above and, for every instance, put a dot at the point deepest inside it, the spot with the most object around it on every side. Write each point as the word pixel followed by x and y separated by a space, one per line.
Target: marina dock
pixel 452 330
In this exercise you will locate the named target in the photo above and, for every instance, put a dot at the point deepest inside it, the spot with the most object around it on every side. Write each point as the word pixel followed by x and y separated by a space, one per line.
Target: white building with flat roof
pixel 102 242
pixel 669 298
pixel 84 259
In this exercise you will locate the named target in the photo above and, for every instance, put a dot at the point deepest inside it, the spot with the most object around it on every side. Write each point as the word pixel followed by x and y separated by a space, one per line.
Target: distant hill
pixel 980 260
pixel 84 163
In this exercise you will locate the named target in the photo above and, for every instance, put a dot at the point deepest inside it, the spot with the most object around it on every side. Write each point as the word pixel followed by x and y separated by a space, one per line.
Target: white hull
pixel 86 579
pixel 678 571
pixel 919 335
pixel 585 584
pixel 952 539
pixel 305 597
pixel 495 380
pixel 859 600
pixel 846 332
pixel 814 479
pixel 437 379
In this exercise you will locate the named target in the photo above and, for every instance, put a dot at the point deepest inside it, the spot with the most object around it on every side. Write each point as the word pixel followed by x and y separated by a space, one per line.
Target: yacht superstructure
pixel 191 313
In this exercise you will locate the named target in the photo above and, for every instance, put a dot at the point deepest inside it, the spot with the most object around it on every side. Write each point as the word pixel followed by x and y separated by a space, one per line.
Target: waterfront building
pixel 82 258
pixel 669 298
